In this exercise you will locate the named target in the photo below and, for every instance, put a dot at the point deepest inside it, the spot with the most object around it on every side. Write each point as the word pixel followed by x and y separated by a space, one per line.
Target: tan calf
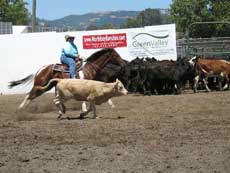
pixel 94 92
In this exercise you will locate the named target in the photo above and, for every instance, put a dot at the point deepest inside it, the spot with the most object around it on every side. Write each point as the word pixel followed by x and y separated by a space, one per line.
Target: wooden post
pixel 34 16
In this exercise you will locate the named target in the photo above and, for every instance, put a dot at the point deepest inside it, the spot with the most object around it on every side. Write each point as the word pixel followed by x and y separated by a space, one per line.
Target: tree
pixel 108 26
pixel 186 12
pixel 3 10
pixel 220 11
pixel 14 11
pixel 150 17
pixel 131 23
pixel 91 27
pixel 146 17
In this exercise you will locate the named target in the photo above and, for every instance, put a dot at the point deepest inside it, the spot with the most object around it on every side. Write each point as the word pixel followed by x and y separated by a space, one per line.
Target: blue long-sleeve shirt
pixel 70 50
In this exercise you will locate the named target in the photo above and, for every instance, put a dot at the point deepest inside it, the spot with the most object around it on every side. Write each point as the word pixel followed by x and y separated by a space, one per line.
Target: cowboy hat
pixel 68 36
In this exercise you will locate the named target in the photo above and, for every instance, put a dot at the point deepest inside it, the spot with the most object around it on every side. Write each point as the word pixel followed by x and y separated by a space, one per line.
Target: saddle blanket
pixel 61 68
pixel 65 69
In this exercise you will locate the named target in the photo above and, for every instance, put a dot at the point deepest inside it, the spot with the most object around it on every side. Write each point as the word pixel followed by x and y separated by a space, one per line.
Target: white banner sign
pixel 154 41
pixel 151 41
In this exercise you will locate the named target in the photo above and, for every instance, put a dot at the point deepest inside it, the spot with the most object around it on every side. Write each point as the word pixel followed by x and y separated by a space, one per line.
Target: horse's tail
pixel 49 85
pixel 21 81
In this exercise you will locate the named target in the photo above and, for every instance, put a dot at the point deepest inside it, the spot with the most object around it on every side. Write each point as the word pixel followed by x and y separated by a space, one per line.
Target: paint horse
pixel 91 69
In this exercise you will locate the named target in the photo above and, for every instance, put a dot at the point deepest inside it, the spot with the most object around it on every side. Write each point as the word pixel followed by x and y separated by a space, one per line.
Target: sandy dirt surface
pixel 153 134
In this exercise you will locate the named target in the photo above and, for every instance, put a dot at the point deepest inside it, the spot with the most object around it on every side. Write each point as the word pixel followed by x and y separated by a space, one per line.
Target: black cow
pixel 149 76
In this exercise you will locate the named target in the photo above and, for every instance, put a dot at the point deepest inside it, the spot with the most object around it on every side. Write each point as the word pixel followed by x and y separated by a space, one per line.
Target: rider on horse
pixel 69 54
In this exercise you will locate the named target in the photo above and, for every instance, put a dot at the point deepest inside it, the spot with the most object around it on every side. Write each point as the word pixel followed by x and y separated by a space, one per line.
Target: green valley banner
pixel 153 41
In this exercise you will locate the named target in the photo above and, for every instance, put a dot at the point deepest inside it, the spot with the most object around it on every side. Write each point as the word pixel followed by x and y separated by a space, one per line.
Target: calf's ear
pixel 118 81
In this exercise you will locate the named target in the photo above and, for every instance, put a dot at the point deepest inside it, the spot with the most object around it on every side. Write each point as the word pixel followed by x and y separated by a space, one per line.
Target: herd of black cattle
pixel 149 76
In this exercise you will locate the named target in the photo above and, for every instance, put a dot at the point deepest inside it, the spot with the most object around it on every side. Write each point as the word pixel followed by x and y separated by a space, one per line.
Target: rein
pixel 80 66
pixel 95 66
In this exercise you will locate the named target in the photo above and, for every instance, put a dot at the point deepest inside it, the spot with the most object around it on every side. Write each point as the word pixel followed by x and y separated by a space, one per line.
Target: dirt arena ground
pixel 153 134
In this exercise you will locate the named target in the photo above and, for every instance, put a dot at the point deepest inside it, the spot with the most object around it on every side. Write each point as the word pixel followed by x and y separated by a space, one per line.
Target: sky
pixel 55 9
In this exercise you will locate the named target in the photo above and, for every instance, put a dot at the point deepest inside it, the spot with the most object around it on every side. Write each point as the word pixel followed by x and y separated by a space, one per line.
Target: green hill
pixel 98 19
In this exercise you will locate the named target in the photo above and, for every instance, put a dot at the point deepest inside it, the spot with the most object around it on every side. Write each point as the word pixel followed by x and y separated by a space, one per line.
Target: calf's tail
pixel 48 86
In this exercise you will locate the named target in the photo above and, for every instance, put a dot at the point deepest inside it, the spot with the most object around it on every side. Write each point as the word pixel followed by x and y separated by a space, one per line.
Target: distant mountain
pixel 98 19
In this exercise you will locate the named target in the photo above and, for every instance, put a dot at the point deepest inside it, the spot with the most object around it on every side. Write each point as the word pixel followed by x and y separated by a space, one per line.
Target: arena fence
pixel 217 47
pixel 5 27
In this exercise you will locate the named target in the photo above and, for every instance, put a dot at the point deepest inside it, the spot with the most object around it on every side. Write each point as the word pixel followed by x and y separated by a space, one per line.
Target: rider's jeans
pixel 71 63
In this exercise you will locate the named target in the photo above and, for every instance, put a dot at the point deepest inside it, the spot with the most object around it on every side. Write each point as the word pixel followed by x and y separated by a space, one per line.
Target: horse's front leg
pixel 83 114
pixel 59 104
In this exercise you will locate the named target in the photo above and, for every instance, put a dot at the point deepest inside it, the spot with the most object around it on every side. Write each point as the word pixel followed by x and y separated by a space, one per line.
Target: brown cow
pixel 94 92
pixel 205 68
